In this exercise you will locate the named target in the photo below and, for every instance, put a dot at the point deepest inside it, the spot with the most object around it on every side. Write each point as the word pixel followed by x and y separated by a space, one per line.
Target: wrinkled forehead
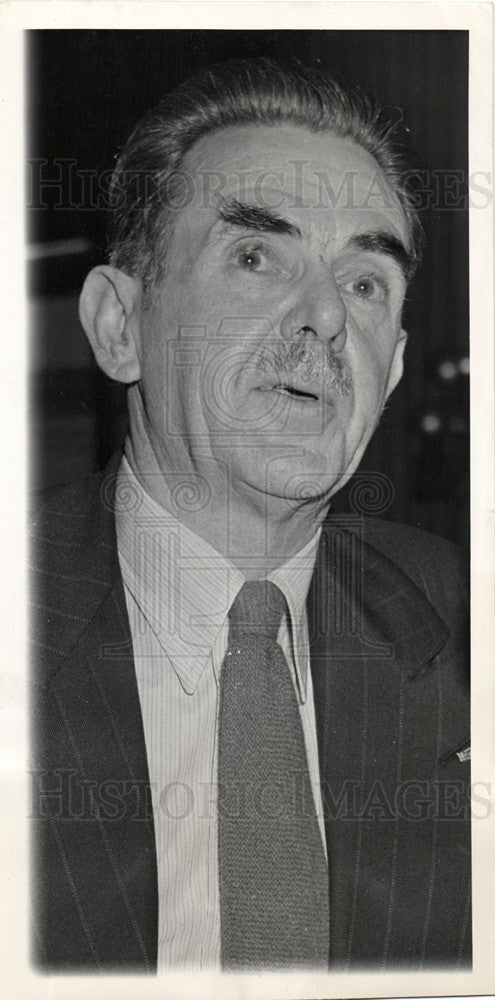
pixel 291 170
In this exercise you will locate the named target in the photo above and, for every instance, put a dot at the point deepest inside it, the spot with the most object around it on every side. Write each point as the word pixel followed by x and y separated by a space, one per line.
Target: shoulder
pixel 64 509
pixel 395 558
pixel 64 523
pixel 439 569
pixel 72 515
pixel 73 563
pixel 428 559
pixel 69 523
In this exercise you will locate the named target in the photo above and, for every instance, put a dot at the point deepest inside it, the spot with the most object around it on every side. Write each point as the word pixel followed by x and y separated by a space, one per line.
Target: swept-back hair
pixel 147 182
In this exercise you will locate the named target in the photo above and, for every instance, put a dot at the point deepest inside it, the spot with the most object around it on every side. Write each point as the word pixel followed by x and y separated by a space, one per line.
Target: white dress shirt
pixel 178 592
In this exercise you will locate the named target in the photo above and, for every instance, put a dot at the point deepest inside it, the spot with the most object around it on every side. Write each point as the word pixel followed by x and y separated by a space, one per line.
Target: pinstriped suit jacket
pixel 386 612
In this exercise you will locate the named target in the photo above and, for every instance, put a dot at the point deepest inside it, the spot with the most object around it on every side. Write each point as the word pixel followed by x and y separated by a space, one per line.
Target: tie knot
pixel 257 610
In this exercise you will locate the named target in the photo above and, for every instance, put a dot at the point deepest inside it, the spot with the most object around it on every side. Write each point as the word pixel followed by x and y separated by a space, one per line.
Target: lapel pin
pixel 462 751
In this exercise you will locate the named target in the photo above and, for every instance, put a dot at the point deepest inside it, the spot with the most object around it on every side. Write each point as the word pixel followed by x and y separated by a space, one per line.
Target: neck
pixel 256 532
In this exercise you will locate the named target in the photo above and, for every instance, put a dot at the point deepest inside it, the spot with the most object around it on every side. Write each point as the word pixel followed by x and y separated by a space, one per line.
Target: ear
pixel 109 310
pixel 397 366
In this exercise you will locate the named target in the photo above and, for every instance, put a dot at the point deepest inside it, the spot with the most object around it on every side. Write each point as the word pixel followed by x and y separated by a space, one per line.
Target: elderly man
pixel 251 718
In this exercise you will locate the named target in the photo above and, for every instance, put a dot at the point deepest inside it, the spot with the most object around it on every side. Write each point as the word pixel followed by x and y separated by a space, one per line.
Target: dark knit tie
pixel 272 868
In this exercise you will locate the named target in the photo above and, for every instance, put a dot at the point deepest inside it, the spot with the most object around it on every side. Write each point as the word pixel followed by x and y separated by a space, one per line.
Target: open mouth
pixel 290 390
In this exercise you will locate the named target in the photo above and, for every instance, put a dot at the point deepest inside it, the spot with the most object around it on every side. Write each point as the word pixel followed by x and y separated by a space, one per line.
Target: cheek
pixel 161 370
pixel 370 350
pixel 199 290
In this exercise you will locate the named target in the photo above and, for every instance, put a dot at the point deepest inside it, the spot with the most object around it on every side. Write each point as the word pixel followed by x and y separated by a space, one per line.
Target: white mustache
pixel 301 363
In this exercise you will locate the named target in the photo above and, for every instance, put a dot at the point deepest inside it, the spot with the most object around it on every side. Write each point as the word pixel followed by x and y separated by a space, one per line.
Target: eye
pixel 260 259
pixel 365 287
pixel 250 260
pixel 253 258
pixel 369 287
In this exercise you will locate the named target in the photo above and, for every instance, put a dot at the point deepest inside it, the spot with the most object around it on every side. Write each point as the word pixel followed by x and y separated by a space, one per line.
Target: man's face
pixel 269 349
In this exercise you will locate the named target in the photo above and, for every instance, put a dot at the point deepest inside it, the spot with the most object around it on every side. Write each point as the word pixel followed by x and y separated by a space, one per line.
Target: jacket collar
pixel 361 604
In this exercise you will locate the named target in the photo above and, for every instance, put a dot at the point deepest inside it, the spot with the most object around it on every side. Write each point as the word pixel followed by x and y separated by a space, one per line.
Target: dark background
pixel 86 89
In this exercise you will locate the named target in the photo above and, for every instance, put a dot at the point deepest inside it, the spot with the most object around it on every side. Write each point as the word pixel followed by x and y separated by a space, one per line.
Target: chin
pixel 298 478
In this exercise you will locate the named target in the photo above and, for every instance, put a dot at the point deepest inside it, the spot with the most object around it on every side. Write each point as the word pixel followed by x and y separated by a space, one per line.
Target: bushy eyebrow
pixel 261 220
pixel 379 241
pixel 242 215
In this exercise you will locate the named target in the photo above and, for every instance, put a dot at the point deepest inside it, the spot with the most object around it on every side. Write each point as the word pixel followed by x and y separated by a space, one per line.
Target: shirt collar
pixel 185 588
pixel 294 578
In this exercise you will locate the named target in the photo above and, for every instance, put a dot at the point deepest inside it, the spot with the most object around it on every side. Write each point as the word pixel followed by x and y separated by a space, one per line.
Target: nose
pixel 317 310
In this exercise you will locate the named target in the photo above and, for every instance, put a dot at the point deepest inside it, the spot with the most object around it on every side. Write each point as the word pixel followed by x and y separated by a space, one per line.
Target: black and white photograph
pixel 250 482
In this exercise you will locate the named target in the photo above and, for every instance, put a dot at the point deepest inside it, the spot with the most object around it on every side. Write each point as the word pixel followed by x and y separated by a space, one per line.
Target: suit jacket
pixel 386 612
